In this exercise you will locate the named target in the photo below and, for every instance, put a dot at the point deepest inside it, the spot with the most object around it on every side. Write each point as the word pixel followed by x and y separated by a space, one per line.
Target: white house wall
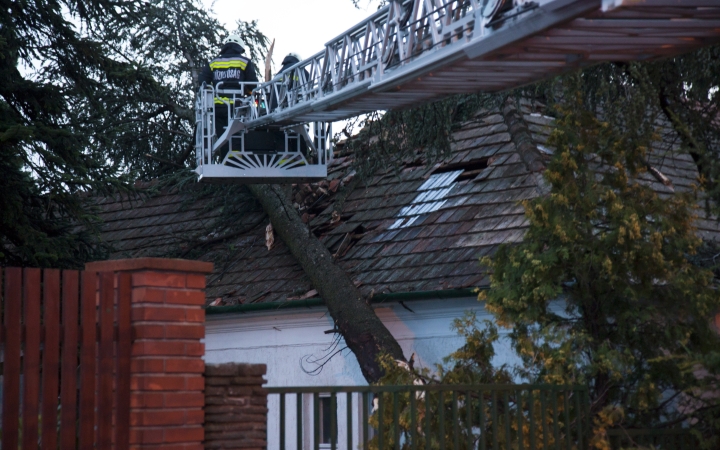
pixel 281 339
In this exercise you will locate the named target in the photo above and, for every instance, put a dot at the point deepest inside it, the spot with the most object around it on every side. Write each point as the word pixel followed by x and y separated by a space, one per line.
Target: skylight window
pixel 431 197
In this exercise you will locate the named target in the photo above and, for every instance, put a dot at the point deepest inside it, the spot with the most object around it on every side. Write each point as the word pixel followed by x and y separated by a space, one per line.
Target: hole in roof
pixel 348 241
pixel 322 228
pixel 470 169
pixel 413 164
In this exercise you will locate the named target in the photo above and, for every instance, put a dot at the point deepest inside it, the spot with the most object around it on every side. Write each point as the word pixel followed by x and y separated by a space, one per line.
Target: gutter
pixel 376 299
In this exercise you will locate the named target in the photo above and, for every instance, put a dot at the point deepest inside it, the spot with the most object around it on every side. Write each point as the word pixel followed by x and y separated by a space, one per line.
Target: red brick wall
pixel 235 407
pixel 168 322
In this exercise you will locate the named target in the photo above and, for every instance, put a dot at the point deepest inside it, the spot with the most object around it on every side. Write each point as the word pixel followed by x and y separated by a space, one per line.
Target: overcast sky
pixel 297 26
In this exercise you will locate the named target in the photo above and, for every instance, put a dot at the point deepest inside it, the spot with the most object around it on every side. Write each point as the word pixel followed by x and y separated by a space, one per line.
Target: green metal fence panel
pixel 428 423
pixel 396 419
pixel 333 421
pixel 282 421
pixel 316 420
pixel 441 419
pixel 469 419
pixel 483 422
pixel 658 439
pixel 413 421
pixel 494 419
pixel 520 421
pixel 365 421
pixel 543 419
pixel 298 420
pixel 461 417
pixel 348 415
pixel 531 419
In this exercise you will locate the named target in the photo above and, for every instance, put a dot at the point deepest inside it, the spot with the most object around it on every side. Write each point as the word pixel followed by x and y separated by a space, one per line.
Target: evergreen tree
pixel 605 289
pixel 95 95
pixel 601 291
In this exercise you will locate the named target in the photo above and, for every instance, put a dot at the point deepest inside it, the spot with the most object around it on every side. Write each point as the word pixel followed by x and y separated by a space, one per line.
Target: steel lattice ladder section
pixel 415 51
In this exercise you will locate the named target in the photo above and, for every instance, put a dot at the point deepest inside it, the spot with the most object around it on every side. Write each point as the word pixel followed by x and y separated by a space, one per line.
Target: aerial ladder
pixel 415 51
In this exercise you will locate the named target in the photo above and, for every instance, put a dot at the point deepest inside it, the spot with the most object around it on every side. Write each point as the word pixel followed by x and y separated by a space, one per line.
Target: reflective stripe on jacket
pixel 230 69
pixel 229 63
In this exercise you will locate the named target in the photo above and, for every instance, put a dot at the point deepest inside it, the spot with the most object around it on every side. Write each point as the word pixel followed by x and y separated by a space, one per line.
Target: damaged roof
pixel 419 228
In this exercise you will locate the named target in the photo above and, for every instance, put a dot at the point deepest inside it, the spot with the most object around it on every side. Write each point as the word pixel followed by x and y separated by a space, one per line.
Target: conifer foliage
pixel 601 291
pixel 95 95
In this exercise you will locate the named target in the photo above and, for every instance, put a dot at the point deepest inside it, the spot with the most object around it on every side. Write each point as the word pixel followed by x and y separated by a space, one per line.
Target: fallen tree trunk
pixel 365 335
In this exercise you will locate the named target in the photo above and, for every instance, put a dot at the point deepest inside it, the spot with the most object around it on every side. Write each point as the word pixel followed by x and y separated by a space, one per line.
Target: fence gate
pixel 65 339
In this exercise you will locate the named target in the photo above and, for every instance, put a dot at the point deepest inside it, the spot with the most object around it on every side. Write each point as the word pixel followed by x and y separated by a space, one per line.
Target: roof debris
pixel 269 236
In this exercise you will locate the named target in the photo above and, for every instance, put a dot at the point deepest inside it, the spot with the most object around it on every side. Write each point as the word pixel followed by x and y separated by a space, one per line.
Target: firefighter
pixel 290 60
pixel 230 68
pixel 290 79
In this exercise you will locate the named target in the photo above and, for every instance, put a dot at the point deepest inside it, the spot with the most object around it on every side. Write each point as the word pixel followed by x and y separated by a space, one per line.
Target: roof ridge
pixel 525 145
pixel 521 137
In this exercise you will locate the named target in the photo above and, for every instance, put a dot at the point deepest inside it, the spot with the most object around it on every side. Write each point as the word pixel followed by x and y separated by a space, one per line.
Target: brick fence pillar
pixel 168 323
pixel 235 407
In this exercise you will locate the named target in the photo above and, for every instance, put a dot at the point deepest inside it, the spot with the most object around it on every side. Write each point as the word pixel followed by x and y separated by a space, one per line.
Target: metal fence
pixel 483 417
pixel 657 439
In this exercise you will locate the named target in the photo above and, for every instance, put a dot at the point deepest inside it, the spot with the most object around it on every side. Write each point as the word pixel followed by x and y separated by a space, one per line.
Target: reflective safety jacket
pixel 230 68
pixel 291 79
